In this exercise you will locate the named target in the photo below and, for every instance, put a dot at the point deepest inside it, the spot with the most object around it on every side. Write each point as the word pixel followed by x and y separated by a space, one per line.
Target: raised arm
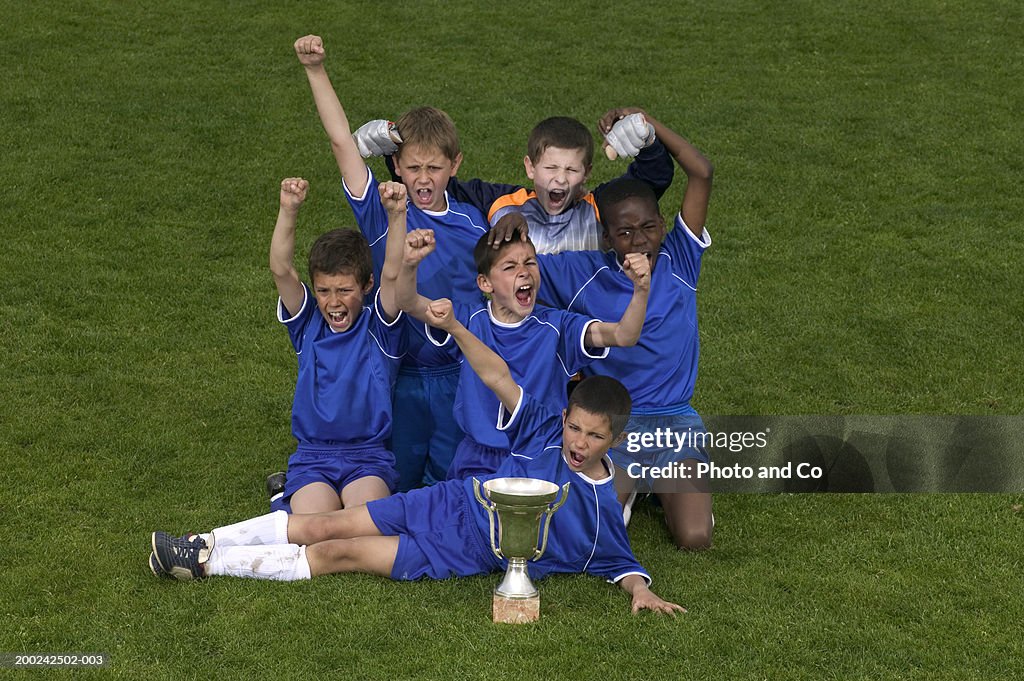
pixel 311 54
pixel 698 169
pixel 699 173
pixel 392 197
pixel 644 598
pixel 487 364
pixel 626 331
pixel 282 244
pixel 416 245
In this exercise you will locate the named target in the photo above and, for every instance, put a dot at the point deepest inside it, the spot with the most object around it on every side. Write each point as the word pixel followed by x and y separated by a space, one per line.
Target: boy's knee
pixel 693 538
pixel 321 527
pixel 330 556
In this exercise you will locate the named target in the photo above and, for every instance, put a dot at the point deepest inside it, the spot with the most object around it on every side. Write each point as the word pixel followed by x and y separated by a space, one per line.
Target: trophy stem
pixel 516 583
pixel 516 599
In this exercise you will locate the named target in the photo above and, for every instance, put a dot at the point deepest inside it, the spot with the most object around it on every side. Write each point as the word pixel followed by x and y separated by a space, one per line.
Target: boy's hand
pixel 419 244
pixel 310 50
pixel 441 314
pixel 392 197
pixel 502 231
pixel 293 193
pixel 377 138
pixel 638 268
pixel 626 131
pixel 645 599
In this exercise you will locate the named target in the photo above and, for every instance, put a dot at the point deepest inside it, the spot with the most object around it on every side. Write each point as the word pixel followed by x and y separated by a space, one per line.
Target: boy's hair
pixel 604 396
pixel 341 251
pixel 617 191
pixel 429 127
pixel 562 132
pixel 485 254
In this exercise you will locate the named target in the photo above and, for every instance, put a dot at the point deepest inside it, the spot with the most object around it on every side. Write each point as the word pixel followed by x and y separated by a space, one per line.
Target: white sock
pixel 271 528
pixel 283 562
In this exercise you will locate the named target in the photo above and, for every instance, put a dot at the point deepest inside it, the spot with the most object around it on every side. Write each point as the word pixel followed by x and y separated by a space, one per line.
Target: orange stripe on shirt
pixel 521 196
pixel 516 198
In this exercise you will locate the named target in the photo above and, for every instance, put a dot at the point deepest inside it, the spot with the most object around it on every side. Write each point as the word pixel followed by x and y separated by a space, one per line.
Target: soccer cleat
pixel 275 484
pixel 154 566
pixel 180 557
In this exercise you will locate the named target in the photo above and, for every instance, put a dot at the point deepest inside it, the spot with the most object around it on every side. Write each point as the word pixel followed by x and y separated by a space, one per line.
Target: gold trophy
pixel 519 505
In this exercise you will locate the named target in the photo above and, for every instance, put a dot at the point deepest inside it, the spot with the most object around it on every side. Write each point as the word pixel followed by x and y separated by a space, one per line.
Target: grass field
pixel 867 260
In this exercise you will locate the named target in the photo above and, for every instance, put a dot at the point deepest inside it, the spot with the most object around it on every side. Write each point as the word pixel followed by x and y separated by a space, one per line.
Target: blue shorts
pixel 658 440
pixel 437 534
pixel 335 465
pixel 473 458
pixel 424 433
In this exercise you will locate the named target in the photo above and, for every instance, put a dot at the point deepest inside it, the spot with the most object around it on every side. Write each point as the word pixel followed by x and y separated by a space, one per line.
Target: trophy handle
pixel 489 505
pixel 547 521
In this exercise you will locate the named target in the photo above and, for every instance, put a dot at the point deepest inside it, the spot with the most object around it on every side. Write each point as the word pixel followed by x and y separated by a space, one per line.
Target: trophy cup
pixel 519 504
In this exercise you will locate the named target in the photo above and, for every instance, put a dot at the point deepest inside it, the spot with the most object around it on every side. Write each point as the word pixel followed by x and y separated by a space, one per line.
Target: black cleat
pixel 275 484
pixel 179 557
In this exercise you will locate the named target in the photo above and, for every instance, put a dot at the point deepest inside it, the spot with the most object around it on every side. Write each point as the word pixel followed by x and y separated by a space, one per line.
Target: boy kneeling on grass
pixel 441 531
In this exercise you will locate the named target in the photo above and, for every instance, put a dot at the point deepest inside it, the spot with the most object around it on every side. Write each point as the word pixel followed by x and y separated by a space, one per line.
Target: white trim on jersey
pixel 647 578
pixel 597 529
pixel 362 195
pixel 515 412
pixel 280 307
pixel 587 283
pixel 378 311
pixel 583 342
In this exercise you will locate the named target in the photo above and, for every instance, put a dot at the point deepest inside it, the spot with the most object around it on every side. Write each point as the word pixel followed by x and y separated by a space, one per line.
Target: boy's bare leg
pixel 371 555
pixel 316 497
pixel 344 524
pixel 688 513
pixel 360 491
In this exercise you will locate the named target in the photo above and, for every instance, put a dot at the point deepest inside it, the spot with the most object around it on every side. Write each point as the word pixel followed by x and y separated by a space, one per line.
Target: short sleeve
pixel 392 337
pixel 531 426
pixel 297 323
pixel 686 251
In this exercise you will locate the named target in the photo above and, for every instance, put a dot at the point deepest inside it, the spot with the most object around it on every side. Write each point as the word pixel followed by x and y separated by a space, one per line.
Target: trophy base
pixel 516 610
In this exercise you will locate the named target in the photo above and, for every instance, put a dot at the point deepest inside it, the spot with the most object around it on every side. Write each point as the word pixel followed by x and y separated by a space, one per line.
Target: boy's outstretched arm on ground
pixel 626 331
pixel 282 244
pixel 416 245
pixel 393 198
pixel 644 598
pixel 487 364
pixel 310 51
pixel 699 174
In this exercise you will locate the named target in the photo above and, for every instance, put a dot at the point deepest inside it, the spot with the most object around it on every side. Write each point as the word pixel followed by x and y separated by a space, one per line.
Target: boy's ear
pixel 484 284
pixel 368 287
pixel 620 439
pixel 456 162
pixel 586 173
pixel 528 164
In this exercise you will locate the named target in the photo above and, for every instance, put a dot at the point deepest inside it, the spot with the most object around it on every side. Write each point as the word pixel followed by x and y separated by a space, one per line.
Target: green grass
pixel 866 259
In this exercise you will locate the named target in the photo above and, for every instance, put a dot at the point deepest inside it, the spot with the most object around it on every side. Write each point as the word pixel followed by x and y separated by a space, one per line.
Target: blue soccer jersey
pixel 661 369
pixel 543 351
pixel 449 272
pixel 343 388
pixel 587 534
